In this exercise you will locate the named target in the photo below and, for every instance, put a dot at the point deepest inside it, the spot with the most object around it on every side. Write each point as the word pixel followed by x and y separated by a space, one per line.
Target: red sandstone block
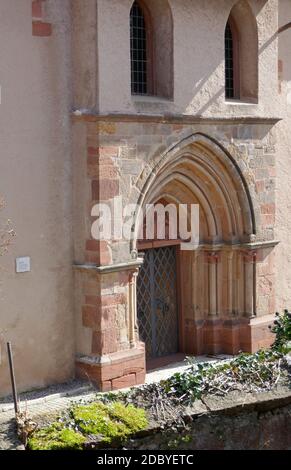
pixel 260 186
pixel 91 288
pixel 128 367
pixel 93 245
pixel 36 8
pixel 105 386
pixel 106 300
pixel 108 172
pixel 108 318
pixel 93 151
pixel 105 258
pixel 268 208
pixel 124 382
pixel 123 277
pixel 101 253
pixel 93 258
pixel 39 28
pixel 105 189
pixel 93 300
pixel 88 372
pixel 140 377
pixel 92 160
pixel 105 151
pixel 91 317
pixel 104 342
pixel 268 219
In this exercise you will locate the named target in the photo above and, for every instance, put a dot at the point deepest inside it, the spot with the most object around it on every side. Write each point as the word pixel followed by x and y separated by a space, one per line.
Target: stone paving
pixel 54 399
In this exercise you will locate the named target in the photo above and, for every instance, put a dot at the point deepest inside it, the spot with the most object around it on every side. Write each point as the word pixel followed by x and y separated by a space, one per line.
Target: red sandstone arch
pixel 198 170
pixel 217 280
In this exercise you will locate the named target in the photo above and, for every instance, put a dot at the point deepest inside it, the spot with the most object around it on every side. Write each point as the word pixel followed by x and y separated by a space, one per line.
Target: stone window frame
pixel 160 72
pixel 244 29
pixel 236 60
pixel 149 47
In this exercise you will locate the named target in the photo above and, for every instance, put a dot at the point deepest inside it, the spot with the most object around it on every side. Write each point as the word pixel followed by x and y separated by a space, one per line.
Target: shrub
pixel 282 330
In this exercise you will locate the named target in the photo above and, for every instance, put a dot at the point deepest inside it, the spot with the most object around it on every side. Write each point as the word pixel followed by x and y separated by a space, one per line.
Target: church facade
pixel 169 102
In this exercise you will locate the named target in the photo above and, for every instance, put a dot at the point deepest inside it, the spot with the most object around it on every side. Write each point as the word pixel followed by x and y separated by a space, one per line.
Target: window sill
pixel 150 99
pixel 240 102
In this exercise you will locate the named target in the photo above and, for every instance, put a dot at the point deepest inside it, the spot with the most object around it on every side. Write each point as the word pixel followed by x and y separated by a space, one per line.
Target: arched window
pixel 151 48
pixel 231 61
pixel 139 51
pixel 241 54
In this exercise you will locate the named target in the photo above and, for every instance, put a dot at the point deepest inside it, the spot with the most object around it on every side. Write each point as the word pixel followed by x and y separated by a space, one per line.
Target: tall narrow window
pixel 232 72
pixel 229 63
pixel 138 51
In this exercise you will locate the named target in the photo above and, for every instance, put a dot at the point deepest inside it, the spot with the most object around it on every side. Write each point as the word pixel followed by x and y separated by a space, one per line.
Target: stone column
pixel 230 277
pixel 212 333
pixel 212 260
pixel 132 309
pixel 249 258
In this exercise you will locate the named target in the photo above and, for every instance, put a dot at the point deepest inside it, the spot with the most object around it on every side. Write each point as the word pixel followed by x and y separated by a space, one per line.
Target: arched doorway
pixel 216 283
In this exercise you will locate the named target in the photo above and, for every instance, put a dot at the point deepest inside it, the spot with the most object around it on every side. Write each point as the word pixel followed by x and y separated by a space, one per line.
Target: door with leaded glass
pixel 157 310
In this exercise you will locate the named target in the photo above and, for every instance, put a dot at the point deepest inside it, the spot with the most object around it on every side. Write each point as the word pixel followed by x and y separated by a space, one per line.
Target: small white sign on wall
pixel 23 264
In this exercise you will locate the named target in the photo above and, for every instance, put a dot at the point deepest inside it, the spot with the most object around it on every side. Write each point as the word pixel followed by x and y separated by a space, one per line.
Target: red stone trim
pixel 228 336
pixel 250 256
pixel 212 257
pixel 40 27
pixel 36 8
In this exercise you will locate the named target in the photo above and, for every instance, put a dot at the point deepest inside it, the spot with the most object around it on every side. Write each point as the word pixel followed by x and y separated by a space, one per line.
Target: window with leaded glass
pixel 139 51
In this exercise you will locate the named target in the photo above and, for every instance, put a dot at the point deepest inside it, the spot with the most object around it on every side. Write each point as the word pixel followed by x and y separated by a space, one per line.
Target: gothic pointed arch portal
pixel 216 283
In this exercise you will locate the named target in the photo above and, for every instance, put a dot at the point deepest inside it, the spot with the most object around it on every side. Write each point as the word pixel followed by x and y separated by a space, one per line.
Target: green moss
pixel 111 424
pixel 114 422
pixel 134 418
pixel 56 437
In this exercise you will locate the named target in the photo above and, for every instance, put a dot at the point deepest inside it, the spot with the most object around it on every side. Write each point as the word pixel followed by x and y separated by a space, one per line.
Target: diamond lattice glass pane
pixel 157 302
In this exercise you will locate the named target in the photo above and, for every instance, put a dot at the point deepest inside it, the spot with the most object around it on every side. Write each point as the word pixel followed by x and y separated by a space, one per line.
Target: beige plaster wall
pixel 198 59
pixel 36 308
pixel 283 193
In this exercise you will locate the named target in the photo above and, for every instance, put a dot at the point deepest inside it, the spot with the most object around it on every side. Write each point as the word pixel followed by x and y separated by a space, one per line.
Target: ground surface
pixel 43 404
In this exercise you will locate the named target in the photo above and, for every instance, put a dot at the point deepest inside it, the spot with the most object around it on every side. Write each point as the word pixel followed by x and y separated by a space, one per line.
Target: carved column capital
pixel 212 257
pixel 250 256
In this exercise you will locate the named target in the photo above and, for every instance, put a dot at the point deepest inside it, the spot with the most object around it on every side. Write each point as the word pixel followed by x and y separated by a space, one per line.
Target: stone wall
pixel 262 425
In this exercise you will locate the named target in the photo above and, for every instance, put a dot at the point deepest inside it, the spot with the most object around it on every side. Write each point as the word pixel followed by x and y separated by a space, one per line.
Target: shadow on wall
pixel 210 74
pixel 284 40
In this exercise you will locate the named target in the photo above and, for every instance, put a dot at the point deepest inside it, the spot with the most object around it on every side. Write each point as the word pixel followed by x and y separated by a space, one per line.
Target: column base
pixel 231 336
pixel 114 371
